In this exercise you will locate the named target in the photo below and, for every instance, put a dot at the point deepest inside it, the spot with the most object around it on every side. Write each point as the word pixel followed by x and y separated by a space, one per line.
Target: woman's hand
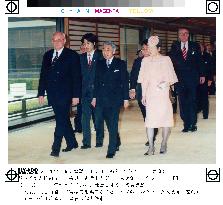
pixel 163 84
pixel 144 101
pixel 93 102
pixel 126 104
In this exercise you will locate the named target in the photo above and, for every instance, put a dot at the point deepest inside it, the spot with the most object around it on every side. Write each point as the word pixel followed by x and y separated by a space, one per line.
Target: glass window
pixel 129 44
pixel 28 40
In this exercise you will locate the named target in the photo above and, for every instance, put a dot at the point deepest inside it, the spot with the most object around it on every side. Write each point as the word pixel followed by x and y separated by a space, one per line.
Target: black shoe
pixel 193 128
pixel 99 145
pixel 147 143
pixel 76 130
pixel 54 154
pixel 185 130
pixel 110 155
pixel 205 117
pixel 85 146
pixel 67 149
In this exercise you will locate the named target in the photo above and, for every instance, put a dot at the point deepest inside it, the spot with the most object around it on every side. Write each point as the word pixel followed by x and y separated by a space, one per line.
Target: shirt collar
pixel 91 53
pixel 186 45
pixel 110 60
pixel 59 52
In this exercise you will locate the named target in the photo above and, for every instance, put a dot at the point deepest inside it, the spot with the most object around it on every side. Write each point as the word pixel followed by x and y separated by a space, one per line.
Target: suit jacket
pixel 208 65
pixel 188 71
pixel 135 72
pixel 134 77
pixel 61 80
pixel 111 84
pixel 88 74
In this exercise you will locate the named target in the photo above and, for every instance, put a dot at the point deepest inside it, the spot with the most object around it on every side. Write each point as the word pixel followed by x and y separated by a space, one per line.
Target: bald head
pixel 58 40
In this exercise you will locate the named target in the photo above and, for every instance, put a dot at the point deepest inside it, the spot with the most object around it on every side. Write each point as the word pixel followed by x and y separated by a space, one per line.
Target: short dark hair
pixel 89 37
pixel 144 42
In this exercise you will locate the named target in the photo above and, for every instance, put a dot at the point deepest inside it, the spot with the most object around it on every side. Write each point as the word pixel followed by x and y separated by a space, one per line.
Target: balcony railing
pixel 23 108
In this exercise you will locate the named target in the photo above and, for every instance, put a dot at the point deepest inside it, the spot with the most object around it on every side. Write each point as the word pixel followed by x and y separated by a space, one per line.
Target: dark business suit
pixel 202 94
pixel 137 86
pixel 188 73
pixel 111 89
pixel 61 81
pixel 88 77
pixel 212 87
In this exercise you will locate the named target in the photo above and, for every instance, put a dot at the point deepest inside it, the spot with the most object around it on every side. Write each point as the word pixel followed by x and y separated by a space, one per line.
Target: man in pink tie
pixel 186 57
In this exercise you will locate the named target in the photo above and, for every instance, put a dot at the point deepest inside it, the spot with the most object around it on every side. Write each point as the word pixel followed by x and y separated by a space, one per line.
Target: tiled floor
pixel 31 145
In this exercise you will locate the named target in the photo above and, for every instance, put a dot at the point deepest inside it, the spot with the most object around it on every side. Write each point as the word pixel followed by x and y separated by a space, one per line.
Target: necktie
pixel 89 60
pixel 108 63
pixel 55 58
pixel 184 52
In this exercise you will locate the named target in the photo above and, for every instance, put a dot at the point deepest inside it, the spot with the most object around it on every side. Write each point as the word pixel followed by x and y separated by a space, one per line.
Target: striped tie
pixel 184 52
pixel 89 60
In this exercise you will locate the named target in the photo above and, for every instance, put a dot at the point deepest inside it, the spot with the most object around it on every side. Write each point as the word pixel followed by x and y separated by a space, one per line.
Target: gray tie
pixel 55 58
pixel 108 63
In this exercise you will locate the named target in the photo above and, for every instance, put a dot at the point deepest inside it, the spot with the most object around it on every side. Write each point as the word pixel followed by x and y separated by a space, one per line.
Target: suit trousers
pixel 111 117
pixel 87 112
pixel 142 108
pixel 202 99
pixel 77 119
pixel 188 103
pixel 63 127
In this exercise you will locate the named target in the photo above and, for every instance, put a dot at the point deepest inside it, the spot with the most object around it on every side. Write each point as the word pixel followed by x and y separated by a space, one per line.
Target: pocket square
pixel 116 71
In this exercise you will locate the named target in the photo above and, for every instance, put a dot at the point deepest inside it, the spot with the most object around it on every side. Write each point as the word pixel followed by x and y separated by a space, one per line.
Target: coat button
pixel 58 72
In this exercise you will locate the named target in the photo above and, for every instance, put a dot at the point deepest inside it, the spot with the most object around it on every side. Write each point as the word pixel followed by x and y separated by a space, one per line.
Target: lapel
pixel 95 56
pixel 190 50
pixel 62 56
pixel 85 60
pixel 49 58
pixel 112 65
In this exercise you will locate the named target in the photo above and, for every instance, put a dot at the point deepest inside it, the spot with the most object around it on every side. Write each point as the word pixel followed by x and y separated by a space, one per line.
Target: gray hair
pixel 110 43
pixel 60 33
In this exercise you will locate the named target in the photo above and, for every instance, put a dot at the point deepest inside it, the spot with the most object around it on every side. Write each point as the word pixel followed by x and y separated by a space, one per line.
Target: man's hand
pixel 75 101
pixel 132 94
pixel 209 83
pixel 202 80
pixel 126 104
pixel 41 100
pixel 93 102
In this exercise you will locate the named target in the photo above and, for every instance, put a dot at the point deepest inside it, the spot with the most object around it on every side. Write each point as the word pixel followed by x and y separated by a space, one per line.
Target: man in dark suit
pixel 202 94
pixel 110 93
pixel 89 61
pixel 186 58
pixel 78 116
pixel 135 88
pixel 60 78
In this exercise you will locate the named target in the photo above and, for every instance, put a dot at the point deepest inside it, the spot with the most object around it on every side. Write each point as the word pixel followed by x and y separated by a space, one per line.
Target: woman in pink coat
pixel 156 75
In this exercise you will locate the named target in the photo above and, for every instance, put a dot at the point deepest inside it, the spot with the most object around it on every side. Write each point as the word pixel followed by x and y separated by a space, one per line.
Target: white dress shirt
pixel 59 52
pixel 90 55
pixel 186 45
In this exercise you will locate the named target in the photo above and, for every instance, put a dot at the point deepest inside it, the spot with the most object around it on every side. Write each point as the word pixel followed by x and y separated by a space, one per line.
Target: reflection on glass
pixel 28 40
